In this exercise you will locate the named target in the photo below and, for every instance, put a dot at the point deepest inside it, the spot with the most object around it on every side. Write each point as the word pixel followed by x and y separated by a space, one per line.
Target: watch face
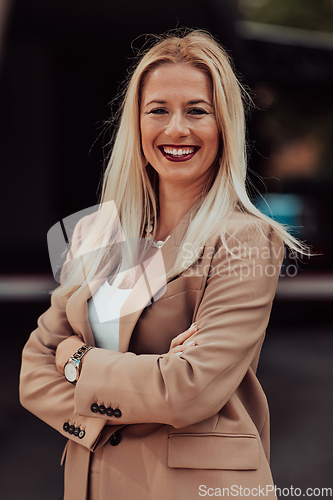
pixel 70 372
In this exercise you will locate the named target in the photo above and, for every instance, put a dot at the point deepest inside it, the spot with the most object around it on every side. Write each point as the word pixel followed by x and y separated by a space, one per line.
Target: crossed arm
pixel 71 344
pixel 173 389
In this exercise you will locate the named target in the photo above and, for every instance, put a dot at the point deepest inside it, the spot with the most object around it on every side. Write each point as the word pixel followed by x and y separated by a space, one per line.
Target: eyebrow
pixel 156 102
pixel 198 101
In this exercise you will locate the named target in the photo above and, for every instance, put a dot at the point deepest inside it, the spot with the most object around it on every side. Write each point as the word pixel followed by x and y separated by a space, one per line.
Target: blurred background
pixel 61 64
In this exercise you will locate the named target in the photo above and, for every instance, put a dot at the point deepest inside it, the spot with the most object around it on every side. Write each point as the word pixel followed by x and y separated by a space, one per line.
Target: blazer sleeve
pixel 232 319
pixel 43 390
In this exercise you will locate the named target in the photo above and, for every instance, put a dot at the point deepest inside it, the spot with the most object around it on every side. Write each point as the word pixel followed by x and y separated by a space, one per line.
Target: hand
pixel 66 349
pixel 180 343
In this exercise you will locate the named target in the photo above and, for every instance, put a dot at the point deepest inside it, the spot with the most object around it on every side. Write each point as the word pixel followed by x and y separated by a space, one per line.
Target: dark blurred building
pixel 290 72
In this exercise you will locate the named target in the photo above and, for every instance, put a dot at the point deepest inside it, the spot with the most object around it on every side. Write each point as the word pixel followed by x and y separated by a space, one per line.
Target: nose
pixel 177 126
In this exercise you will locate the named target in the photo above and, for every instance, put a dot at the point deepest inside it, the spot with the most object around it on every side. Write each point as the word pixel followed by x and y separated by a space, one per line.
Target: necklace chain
pixel 156 244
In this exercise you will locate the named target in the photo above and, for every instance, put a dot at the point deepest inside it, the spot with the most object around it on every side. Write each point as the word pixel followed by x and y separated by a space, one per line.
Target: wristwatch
pixel 72 366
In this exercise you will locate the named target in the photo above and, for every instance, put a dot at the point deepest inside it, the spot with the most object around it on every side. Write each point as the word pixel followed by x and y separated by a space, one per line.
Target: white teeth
pixel 179 152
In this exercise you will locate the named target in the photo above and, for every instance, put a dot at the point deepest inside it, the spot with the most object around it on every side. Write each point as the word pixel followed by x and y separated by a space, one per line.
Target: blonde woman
pixel 163 402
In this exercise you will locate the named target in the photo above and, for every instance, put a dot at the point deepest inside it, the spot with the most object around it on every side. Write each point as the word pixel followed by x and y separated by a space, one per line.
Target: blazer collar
pixel 152 283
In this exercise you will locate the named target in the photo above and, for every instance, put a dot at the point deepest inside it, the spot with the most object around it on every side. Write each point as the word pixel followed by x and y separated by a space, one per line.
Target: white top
pixel 103 314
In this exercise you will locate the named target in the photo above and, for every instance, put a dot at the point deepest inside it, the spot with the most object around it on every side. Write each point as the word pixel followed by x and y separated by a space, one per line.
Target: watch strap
pixel 75 360
pixel 78 355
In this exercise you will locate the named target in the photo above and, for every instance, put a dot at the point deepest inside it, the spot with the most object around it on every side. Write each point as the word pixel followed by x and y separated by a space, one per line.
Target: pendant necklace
pixel 154 243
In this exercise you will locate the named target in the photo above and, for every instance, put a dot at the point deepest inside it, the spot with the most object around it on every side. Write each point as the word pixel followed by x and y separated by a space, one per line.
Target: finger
pixel 180 348
pixel 189 344
pixel 184 335
pixel 183 347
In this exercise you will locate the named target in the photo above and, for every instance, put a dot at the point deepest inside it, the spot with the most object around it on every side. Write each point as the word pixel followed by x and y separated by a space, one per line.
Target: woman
pixel 164 409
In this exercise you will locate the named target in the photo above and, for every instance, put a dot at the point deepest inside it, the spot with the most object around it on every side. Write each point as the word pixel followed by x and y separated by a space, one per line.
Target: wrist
pixel 72 366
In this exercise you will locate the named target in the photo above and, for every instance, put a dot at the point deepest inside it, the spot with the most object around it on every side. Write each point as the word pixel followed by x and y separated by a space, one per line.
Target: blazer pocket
pixel 213 451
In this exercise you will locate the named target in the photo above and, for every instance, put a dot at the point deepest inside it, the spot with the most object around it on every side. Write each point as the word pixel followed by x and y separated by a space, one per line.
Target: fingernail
pixel 193 325
pixel 189 343
pixel 179 353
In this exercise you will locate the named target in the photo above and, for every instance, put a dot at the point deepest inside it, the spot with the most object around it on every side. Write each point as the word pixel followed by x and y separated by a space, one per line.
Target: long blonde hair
pixel 131 184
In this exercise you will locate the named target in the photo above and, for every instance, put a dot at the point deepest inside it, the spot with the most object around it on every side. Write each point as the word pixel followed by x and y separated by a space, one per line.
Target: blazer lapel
pixel 151 285
pixel 77 311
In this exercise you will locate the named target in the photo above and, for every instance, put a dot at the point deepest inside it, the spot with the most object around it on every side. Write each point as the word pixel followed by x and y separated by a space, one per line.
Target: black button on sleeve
pixel 102 409
pixel 117 413
pixel 76 431
pixel 94 407
pixel 109 411
pixel 115 439
pixel 81 434
pixel 71 429
pixel 65 426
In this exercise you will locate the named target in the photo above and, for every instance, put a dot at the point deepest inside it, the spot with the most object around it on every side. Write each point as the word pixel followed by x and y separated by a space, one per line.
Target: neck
pixel 174 204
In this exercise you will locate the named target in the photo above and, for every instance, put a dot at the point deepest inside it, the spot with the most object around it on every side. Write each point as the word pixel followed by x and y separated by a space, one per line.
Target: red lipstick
pixel 171 156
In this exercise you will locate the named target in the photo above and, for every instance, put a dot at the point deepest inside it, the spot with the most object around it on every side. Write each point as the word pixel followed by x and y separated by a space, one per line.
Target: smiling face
pixel 179 133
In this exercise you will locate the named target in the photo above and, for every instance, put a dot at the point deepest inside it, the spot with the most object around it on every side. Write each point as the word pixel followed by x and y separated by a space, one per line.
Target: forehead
pixel 172 80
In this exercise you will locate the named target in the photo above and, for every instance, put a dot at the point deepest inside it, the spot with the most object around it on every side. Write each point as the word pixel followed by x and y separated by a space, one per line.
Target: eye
pixel 197 111
pixel 157 111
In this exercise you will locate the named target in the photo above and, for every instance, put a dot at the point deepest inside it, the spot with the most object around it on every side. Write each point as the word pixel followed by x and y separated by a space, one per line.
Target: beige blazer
pixel 188 425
